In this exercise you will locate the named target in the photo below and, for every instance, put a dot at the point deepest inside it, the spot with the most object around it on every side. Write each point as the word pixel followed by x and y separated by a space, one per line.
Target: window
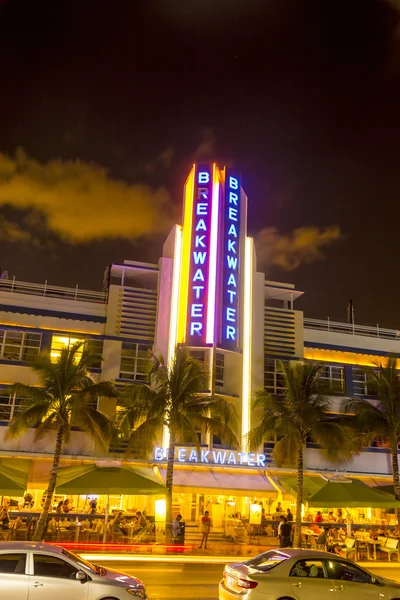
pixel 274 381
pixel 134 362
pixel 308 568
pixel 52 566
pixel 361 386
pixel 345 571
pixel 199 355
pixel 95 347
pixel 10 406
pixel 19 345
pixel 332 378
pixel 12 563
pixel 267 561
pixel 59 342
pixel 219 369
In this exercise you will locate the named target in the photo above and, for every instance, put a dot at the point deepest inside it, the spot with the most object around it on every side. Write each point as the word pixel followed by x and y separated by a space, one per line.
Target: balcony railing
pixel 52 291
pixel 352 329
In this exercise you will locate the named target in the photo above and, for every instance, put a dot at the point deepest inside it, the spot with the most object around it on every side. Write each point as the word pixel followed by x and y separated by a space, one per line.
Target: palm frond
pixel 31 415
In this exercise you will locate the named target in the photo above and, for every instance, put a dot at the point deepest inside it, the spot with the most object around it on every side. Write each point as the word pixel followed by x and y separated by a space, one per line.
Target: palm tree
pixel 382 418
pixel 299 413
pixel 64 399
pixel 175 398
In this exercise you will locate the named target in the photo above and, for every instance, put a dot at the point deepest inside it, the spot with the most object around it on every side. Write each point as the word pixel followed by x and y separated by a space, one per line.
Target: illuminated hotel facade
pixel 205 293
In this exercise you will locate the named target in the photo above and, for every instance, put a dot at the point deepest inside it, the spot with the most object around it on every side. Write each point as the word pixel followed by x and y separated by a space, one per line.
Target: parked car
pixel 46 572
pixel 293 574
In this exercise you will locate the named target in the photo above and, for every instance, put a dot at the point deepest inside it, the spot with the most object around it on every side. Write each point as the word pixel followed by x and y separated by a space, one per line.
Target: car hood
pixel 122 578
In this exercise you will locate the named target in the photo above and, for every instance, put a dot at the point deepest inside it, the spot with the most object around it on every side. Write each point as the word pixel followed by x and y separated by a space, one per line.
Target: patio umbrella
pixel 354 494
pixel 91 479
pixel 14 476
pixel 310 485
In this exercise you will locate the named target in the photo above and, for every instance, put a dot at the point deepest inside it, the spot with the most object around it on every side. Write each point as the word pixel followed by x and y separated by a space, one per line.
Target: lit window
pixel 60 342
pixel 19 345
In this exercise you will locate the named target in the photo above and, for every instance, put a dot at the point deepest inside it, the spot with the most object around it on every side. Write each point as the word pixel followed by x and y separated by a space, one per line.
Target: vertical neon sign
pixel 230 270
pixel 199 269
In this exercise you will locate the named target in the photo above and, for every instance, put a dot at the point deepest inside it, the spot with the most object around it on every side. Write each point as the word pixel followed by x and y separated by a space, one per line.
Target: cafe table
pixel 373 543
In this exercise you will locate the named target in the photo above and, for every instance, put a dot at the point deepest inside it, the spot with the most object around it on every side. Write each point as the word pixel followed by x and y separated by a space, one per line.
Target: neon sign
pixel 230 270
pixel 213 457
pixel 199 268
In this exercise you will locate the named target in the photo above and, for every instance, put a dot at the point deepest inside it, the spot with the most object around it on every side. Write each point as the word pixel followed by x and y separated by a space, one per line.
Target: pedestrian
pixel 289 516
pixel 280 526
pixel 286 530
pixel 177 536
pixel 205 528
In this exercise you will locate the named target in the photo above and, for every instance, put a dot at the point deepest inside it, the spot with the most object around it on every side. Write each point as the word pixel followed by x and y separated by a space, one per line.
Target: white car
pixel 293 574
pixel 36 571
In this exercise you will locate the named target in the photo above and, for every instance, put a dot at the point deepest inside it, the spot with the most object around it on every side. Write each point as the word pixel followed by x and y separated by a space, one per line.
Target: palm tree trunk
pixel 299 499
pixel 396 478
pixel 169 483
pixel 41 524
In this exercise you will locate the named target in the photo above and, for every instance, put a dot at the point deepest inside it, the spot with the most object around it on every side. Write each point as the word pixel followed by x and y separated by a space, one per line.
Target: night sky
pixel 104 105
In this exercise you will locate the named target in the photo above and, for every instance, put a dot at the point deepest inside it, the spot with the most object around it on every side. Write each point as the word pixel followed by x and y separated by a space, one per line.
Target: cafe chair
pixel 350 548
pixel 391 547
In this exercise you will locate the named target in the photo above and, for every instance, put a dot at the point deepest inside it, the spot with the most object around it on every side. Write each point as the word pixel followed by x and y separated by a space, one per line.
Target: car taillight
pixel 245 583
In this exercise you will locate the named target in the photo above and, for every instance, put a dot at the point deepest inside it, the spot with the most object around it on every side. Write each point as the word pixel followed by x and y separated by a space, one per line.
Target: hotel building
pixel 206 293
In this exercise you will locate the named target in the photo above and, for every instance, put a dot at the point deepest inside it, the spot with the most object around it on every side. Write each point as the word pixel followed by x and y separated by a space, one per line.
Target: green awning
pixel 90 479
pixel 14 474
pixel 310 485
pixel 352 494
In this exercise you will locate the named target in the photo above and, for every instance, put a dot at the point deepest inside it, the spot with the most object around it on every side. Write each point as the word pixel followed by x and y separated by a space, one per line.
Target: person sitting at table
pixel 4 518
pixel 323 539
pixel 382 530
pixel 67 507
pixel 315 528
pixel 318 518
pixel 59 508
pixel 28 501
pixel 279 508
pixel 372 535
pixel 331 516
pixel 339 517
pixel 93 506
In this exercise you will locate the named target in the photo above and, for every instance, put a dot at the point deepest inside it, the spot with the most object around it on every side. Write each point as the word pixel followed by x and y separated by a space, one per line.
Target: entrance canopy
pixel 90 479
pixel 221 481
pixel 14 476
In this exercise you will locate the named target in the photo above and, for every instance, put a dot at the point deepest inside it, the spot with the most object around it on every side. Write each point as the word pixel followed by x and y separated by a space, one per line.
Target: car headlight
pixel 137 593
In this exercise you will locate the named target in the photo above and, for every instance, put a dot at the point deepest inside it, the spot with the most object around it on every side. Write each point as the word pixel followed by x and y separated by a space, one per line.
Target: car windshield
pixel 267 561
pixel 80 561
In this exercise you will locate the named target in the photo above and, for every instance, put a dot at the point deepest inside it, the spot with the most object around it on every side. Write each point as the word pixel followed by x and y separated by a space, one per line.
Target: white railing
pixel 351 328
pixel 51 291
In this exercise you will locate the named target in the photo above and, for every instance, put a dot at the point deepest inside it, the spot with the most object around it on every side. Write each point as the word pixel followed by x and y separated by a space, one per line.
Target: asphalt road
pixel 170 581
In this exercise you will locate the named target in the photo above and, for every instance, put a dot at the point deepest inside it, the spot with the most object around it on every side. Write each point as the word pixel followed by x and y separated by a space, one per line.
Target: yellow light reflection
pixel 185 262
pixel 345 358
pixel 247 339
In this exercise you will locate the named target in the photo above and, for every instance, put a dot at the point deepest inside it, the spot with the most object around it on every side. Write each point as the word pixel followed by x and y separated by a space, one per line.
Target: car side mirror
pixel 374 581
pixel 81 576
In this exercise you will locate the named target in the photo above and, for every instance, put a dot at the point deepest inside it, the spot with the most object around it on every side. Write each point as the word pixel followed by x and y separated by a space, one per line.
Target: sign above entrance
pixel 213 457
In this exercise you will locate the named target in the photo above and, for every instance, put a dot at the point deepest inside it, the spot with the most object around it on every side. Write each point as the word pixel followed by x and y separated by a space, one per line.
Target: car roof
pixel 30 546
pixel 303 553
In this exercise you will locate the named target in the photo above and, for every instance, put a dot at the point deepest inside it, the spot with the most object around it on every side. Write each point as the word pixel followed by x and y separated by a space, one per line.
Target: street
pixel 169 581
